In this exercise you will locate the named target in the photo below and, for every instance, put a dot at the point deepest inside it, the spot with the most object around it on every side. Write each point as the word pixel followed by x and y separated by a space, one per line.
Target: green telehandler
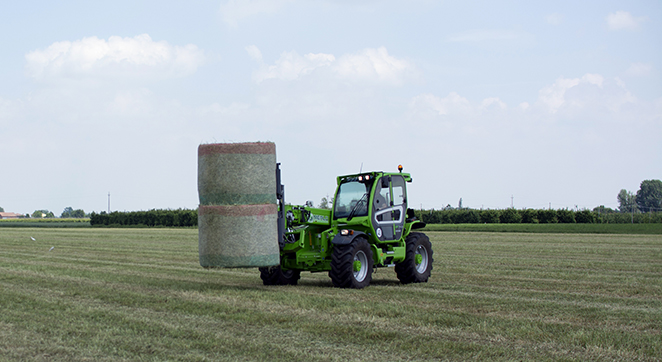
pixel 369 226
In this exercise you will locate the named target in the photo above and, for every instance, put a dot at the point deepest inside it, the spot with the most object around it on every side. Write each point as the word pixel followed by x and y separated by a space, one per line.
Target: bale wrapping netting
pixel 237 173
pixel 238 214
pixel 238 236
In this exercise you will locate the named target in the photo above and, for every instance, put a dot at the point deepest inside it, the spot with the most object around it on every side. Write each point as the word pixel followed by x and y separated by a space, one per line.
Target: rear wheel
pixel 351 265
pixel 417 265
pixel 274 275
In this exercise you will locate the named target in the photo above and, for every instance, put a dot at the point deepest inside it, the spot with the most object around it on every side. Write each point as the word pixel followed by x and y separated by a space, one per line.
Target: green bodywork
pixel 381 217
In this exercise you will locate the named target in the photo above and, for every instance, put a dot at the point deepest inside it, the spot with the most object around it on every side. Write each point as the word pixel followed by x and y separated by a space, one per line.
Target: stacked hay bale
pixel 238 214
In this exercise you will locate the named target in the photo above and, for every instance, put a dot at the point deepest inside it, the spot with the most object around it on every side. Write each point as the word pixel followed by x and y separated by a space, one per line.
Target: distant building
pixel 10 215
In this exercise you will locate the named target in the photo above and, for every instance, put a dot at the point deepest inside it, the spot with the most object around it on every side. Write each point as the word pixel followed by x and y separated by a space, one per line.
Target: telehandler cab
pixel 369 226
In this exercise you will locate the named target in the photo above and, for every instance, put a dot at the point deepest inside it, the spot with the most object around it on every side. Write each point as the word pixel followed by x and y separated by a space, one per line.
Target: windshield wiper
pixel 356 207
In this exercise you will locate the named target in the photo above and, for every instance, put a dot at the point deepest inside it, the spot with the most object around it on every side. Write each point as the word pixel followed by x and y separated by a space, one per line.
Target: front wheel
pixel 274 275
pixel 351 265
pixel 417 265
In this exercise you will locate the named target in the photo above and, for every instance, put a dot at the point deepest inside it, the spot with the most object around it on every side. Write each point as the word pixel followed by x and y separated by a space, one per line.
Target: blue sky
pixel 492 102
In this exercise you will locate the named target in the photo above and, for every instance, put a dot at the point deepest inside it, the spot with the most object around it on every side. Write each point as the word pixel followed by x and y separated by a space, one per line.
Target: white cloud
pixel 623 20
pixel 451 104
pixel 595 79
pixel 371 65
pixel 254 53
pixel 621 97
pixel 375 65
pixel 585 97
pixel 493 102
pixel 139 56
pixel 639 69
pixel 554 19
pixel 554 96
pixel 290 65
pixel 233 11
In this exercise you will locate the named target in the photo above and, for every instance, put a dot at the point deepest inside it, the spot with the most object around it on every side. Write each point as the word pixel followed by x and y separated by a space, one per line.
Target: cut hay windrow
pixel 237 216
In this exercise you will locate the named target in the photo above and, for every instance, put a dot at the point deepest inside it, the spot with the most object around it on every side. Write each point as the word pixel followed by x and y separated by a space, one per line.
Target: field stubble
pixel 140 294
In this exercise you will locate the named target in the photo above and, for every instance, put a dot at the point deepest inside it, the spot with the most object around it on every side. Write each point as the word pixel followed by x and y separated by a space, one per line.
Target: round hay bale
pixel 238 214
pixel 237 173
pixel 238 235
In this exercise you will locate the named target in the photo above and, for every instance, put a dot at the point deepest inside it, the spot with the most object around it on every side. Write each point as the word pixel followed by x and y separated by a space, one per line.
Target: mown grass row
pixel 140 294
pixel 46 223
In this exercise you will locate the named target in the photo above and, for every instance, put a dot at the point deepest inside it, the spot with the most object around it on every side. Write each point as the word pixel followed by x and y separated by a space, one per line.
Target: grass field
pixel 140 294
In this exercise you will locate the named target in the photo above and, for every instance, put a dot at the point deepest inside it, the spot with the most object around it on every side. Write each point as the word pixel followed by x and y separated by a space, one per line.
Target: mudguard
pixel 345 239
pixel 418 225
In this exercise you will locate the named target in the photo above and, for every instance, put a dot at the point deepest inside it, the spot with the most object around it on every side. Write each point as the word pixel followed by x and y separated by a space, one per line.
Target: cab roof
pixel 373 174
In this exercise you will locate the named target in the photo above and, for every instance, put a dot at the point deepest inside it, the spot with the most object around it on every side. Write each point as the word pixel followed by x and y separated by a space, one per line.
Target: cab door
pixel 389 207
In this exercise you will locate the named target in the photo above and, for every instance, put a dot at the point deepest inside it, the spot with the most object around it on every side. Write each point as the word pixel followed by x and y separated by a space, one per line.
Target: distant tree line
pixel 643 207
pixel 42 214
pixel 69 212
pixel 532 216
pixel 165 218
pixel 647 199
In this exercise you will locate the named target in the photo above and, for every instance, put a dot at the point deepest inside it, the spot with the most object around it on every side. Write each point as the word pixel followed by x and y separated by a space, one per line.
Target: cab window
pixel 399 194
pixel 352 195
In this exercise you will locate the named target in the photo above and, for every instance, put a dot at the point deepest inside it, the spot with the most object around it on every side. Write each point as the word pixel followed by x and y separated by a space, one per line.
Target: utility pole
pixel 632 209
pixel 109 202
pixel 512 201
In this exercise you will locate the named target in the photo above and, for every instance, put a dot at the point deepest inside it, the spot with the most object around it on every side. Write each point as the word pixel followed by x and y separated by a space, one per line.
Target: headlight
pixel 345 232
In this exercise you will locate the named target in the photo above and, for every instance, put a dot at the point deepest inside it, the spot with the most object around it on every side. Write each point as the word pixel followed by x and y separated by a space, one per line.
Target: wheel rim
pixel 362 272
pixel 422 255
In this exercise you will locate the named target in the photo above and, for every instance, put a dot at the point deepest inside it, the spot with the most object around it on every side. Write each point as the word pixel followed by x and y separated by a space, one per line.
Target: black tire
pixel 411 271
pixel 274 275
pixel 343 261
